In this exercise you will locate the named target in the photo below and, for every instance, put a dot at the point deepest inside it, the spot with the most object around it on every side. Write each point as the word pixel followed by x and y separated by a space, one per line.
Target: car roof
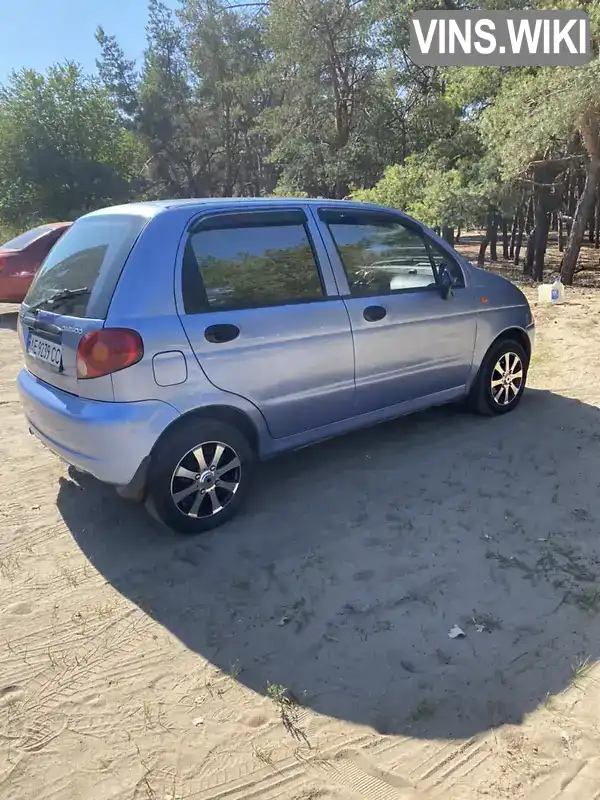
pixel 149 208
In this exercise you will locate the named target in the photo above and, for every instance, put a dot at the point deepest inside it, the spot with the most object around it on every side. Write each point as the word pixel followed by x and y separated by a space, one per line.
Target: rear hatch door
pixel 70 297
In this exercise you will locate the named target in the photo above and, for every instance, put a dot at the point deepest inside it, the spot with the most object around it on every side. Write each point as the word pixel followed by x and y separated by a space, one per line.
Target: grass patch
pixel 580 670
pixel 288 708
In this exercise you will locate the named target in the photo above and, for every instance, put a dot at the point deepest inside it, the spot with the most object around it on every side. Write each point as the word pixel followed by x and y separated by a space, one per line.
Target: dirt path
pixel 303 652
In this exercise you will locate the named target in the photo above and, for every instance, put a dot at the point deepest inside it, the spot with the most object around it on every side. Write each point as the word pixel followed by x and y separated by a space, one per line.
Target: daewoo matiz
pixel 171 345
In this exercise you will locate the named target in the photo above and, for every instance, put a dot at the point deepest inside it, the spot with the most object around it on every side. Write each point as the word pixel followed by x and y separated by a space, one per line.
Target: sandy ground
pixel 303 651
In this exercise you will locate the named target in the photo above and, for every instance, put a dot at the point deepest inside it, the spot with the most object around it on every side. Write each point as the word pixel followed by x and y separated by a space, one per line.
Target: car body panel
pixel 502 307
pixel 71 331
pixel 294 362
pixel 18 267
pixel 299 373
pixel 107 440
pixel 424 344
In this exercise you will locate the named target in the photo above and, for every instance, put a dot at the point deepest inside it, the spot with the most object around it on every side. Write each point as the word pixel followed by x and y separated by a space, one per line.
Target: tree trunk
pixel 589 134
pixel 529 217
pixel 542 227
pixel 597 221
pixel 518 243
pixel 531 228
pixel 561 234
pixel 494 242
pixel 582 213
pixel 513 233
pixel 528 265
pixel 592 223
pixel 505 242
pixel 491 238
pixel 449 235
pixel 571 199
pixel 457 239
pixel 482 249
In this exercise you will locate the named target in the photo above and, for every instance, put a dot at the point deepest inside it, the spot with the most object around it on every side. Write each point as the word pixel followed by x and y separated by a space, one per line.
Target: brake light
pixel 108 350
pixel 2 262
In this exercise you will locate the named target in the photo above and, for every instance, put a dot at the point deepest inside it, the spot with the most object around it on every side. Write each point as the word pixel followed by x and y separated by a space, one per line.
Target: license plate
pixel 48 352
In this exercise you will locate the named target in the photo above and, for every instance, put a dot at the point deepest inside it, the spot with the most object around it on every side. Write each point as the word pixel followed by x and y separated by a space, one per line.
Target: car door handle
pixel 374 313
pixel 218 334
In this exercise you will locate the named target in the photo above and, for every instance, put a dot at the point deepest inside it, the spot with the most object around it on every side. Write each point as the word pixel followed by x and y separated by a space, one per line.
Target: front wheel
pixel 200 475
pixel 500 383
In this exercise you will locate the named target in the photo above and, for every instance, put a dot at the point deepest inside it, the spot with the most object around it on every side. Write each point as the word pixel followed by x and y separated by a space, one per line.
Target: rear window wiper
pixel 52 299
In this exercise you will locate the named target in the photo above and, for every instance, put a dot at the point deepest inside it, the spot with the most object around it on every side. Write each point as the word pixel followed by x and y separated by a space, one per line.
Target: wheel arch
pixel 223 413
pixel 137 489
pixel 515 334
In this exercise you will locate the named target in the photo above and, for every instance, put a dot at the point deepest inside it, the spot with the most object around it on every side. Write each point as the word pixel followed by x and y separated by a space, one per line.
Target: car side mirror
pixel 445 284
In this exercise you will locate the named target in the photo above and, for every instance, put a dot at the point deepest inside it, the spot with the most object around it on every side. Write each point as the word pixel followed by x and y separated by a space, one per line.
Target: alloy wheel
pixel 206 480
pixel 507 379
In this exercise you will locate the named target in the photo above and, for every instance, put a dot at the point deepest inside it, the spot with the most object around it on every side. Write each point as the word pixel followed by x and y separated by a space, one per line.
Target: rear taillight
pixel 108 350
pixel 2 262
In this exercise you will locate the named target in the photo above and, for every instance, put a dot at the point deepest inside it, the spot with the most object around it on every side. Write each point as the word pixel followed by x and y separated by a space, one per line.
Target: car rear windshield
pixel 24 239
pixel 81 271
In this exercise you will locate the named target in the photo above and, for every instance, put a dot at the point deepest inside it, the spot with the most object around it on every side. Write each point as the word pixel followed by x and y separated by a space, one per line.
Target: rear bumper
pixel 108 440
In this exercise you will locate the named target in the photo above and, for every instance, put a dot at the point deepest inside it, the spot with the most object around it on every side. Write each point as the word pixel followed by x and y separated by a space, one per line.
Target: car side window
pixel 446 266
pixel 380 255
pixel 249 261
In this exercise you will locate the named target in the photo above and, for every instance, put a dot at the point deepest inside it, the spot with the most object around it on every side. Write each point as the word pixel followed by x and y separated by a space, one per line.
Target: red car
pixel 21 258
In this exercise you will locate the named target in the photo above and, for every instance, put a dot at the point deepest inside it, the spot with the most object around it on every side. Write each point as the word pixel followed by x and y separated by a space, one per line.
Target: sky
pixel 38 33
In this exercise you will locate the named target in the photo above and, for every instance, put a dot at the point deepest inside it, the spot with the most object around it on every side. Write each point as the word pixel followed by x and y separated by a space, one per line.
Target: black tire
pixel 176 447
pixel 483 397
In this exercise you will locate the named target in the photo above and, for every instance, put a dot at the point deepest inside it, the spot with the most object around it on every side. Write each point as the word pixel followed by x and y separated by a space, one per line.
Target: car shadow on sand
pixel 355 559
pixel 8 320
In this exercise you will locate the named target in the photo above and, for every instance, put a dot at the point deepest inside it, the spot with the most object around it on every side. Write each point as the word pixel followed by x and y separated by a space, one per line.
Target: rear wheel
pixel 200 475
pixel 500 383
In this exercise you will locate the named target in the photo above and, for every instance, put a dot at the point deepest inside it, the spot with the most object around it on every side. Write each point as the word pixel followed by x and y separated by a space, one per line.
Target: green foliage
pixel 296 98
pixel 540 113
pixel 63 149
pixel 438 197
pixel 281 190
pixel 8 231
pixel 332 122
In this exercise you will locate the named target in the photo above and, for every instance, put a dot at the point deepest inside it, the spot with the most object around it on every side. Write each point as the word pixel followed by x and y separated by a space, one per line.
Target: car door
pixel 413 338
pixel 263 315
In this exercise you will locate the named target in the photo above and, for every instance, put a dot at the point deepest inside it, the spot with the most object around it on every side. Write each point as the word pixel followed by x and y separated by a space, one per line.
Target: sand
pixel 302 652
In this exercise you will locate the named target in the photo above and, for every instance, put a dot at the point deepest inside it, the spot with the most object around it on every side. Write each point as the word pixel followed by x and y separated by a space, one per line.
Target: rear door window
pixel 248 261
pixel 79 275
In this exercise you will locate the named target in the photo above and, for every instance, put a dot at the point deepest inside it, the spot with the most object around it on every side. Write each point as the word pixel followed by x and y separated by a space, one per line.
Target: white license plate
pixel 45 351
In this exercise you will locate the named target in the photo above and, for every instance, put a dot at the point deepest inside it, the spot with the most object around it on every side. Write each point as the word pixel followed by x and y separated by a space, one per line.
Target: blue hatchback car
pixel 171 345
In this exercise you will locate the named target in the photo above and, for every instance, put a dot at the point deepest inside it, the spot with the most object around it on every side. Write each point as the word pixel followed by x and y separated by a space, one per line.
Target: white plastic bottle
pixel 552 292
pixel 558 291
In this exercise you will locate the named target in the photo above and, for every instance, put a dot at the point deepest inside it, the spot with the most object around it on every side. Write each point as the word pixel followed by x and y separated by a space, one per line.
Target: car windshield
pixel 24 239
pixel 91 254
